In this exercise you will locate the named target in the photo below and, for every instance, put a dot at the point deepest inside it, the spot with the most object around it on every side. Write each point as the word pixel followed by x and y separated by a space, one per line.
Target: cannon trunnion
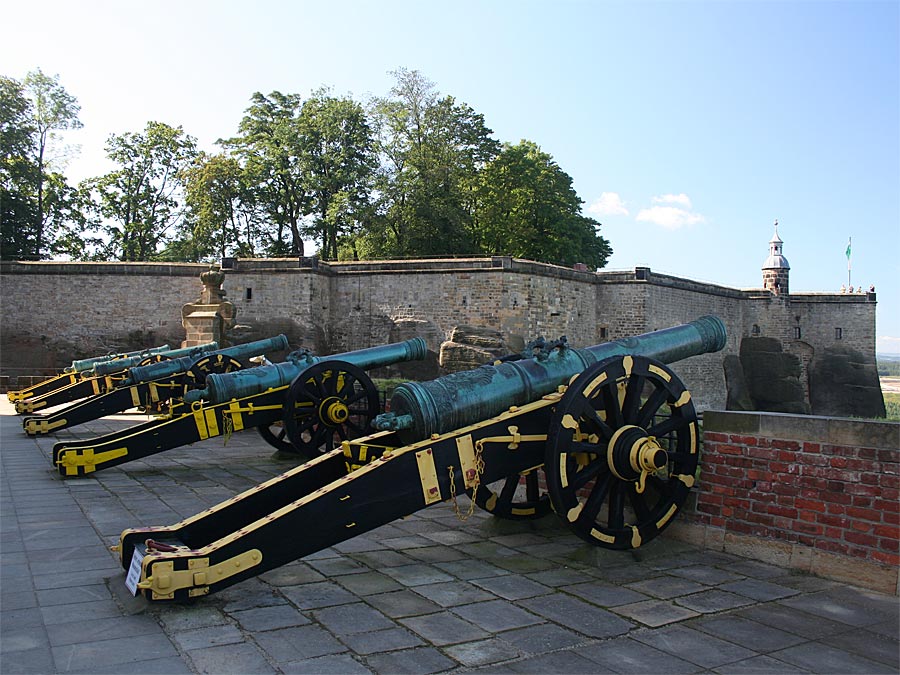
pixel 612 448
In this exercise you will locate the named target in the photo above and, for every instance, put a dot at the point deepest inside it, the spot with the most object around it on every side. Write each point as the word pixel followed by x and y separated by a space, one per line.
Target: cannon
pixel 153 385
pixel 299 406
pixel 104 376
pixel 611 428
pixel 70 375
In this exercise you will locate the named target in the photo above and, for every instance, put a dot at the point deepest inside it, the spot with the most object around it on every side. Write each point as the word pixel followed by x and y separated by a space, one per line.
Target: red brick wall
pixel 826 483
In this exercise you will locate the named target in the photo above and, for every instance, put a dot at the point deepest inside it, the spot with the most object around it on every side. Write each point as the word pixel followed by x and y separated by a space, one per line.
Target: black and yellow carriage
pixel 607 437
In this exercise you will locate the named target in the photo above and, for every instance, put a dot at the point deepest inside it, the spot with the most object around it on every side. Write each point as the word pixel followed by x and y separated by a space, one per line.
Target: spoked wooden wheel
pixel 329 402
pixel 520 496
pixel 622 451
pixel 195 376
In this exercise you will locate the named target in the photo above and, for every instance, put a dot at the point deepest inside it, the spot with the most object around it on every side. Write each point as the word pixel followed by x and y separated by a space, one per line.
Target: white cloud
pixel 681 198
pixel 609 204
pixel 669 217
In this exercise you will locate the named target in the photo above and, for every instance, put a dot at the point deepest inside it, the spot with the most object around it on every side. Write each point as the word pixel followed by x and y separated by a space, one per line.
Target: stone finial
pixel 212 280
pixel 211 316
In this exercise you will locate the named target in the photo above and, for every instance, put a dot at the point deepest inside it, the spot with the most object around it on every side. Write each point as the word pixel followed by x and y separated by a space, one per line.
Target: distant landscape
pixel 889 377
pixel 888 365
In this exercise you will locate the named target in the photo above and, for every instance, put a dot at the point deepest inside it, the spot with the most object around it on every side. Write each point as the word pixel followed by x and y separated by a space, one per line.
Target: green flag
pixel 848 250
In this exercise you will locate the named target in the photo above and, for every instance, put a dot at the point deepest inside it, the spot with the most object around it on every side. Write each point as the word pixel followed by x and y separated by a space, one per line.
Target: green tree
pixel 268 145
pixel 140 202
pixel 222 213
pixel 528 208
pixel 40 214
pixel 431 150
pixel 54 109
pixel 337 162
pixel 18 173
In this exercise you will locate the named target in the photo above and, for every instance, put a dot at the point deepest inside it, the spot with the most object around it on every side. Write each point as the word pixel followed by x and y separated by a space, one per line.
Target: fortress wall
pixel 55 312
pixel 820 314
pixel 52 313
pixel 672 302
pixel 368 302
pixel 272 301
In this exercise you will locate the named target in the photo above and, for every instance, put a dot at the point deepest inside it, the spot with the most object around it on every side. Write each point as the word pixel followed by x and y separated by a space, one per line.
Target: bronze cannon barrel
pixel 420 409
pixel 221 387
pixel 117 366
pixel 80 365
pixel 154 371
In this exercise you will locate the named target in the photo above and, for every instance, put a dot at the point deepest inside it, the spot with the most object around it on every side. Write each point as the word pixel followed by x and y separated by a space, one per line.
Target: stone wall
pixel 819 494
pixel 55 312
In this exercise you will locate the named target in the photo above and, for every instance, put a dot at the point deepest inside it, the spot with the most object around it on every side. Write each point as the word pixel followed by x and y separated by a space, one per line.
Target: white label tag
pixel 134 571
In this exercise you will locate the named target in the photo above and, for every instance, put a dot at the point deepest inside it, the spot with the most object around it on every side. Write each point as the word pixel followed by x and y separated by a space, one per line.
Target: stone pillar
pixel 211 316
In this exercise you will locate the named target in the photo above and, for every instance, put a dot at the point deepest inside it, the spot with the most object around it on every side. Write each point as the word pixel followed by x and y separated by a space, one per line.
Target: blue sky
pixel 688 128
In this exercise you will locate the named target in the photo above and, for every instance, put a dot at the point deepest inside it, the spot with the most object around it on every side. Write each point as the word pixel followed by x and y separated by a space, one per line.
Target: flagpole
pixel 849 243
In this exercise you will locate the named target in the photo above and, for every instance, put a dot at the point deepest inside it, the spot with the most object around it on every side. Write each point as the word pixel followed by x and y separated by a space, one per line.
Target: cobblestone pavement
pixel 424 594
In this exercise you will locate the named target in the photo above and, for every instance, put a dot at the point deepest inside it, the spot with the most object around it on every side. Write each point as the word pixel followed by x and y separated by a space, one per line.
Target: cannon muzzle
pixel 154 371
pixel 221 387
pixel 420 409
pixel 119 365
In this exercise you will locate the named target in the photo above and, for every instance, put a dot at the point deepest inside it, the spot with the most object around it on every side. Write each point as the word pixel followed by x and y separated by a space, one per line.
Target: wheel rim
pixel 276 435
pixel 329 402
pixel 622 451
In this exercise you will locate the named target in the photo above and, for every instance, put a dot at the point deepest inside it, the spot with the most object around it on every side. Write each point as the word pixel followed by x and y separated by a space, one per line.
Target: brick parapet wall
pixel 817 493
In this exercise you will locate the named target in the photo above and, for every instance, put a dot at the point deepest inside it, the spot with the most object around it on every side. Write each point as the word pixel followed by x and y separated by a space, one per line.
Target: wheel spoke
pixel 593 417
pixel 648 410
pixel 595 500
pixel 632 401
pixel 532 488
pixel 616 506
pixel 586 447
pixel 589 472
pixel 611 405
pixel 664 487
pixel 307 423
pixel 638 504
pixel 318 435
pixel 509 489
pixel 357 396
pixel 667 426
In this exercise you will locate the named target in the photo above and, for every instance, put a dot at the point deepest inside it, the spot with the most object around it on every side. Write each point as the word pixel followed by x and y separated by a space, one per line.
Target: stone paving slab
pixel 424 594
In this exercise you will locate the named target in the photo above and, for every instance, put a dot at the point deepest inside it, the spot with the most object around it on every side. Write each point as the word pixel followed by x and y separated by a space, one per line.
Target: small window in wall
pixel 755 330
pixel 796 332
pixel 248 294
pixel 838 334
pixel 603 332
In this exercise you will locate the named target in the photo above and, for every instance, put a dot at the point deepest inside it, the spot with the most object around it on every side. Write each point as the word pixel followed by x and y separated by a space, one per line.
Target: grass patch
pixel 892 406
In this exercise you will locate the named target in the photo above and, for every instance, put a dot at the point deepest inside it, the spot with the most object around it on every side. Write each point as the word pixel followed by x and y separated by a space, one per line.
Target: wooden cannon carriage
pixel 152 386
pixel 298 406
pixel 611 427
